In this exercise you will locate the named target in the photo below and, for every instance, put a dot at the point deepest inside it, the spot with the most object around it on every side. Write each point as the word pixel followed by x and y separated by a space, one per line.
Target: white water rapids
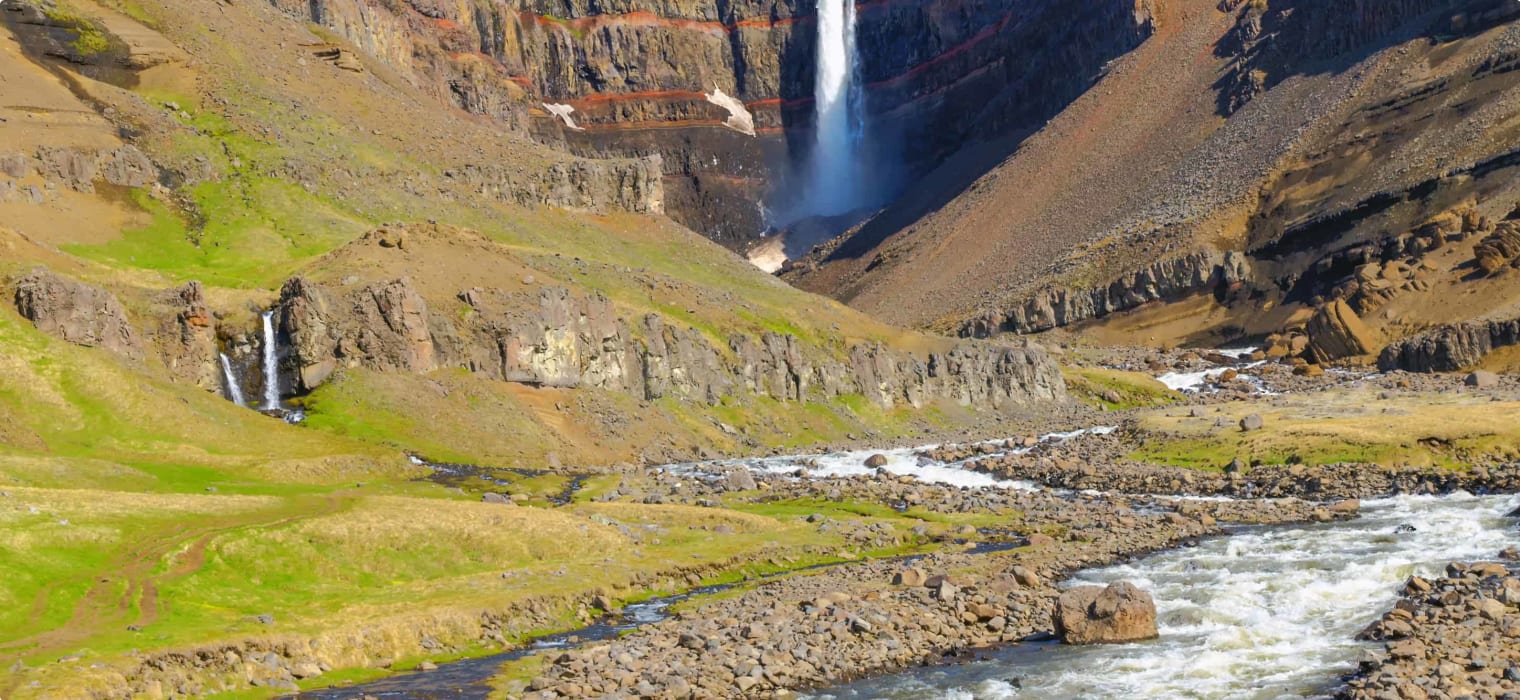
pixel 1264 614
pixel 903 461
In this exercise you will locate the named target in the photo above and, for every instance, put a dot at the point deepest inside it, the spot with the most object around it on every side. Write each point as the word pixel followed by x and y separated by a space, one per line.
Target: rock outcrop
pixel 1449 348
pixel 76 312
pixel 570 342
pixel 1194 273
pixel 1499 249
pixel 1119 612
pixel 187 337
pixel 1336 332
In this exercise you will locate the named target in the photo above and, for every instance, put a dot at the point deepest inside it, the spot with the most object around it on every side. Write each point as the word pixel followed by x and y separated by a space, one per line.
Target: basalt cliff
pixel 723 92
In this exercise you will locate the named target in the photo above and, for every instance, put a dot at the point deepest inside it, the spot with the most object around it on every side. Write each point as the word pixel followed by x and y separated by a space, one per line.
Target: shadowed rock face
pixel 638 74
pixel 1450 348
pixel 571 342
pixel 76 312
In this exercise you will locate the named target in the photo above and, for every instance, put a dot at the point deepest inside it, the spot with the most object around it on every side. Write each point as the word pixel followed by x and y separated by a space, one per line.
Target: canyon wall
pixel 641 78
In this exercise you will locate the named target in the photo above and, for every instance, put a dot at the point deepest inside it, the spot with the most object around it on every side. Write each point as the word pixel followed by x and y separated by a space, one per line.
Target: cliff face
pixel 568 342
pixel 642 77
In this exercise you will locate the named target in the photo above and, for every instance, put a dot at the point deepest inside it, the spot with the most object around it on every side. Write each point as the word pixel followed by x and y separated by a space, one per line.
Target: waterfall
pixel 234 392
pixel 271 366
pixel 834 186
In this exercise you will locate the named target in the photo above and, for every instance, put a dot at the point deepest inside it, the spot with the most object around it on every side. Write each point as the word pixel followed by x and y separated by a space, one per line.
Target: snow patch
pixel 563 112
pixel 739 118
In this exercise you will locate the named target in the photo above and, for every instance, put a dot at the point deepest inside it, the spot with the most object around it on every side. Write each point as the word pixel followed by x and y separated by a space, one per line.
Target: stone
pixel 1481 379
pixel 1336 332
pixel 1252 422
pixel 1025 577
pixel 911 576
pixel 1041 540
pixel 876 460
pixel 496 498
pixel 1119 612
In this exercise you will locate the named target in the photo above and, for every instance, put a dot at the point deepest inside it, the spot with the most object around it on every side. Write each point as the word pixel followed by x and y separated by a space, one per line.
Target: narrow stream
pixel 1264 614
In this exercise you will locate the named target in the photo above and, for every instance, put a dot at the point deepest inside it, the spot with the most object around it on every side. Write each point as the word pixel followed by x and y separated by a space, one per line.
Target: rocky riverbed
pixel 1448 637
pixel 878 617
pixel 1274 612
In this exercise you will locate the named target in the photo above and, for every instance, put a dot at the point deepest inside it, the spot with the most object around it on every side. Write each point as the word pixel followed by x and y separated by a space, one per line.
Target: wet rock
pixel 1119 612
pixel 876 460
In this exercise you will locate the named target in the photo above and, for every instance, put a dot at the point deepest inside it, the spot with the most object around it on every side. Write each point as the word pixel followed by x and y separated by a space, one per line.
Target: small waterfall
pixel 271 366
pixel 834 186
pixel 234 392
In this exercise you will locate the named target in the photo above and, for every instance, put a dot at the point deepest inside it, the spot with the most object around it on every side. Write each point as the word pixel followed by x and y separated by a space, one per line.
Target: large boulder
pixel 1119 612
pixel 1336 332
pixel 76 312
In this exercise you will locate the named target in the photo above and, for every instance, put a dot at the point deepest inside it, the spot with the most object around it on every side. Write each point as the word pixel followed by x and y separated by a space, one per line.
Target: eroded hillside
pixel 1244 170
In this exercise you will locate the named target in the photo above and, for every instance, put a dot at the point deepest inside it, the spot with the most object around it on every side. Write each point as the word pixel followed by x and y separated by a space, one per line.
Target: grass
pixel 89 39
pixel 1115 390
pixel 1343 425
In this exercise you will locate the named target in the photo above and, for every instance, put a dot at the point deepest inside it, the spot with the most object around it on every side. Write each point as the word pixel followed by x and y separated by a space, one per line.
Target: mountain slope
pixel 1259 128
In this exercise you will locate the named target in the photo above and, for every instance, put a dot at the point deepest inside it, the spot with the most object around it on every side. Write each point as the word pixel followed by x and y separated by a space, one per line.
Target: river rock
pixel 1252 422
pixel 1119 612
pixel 876 460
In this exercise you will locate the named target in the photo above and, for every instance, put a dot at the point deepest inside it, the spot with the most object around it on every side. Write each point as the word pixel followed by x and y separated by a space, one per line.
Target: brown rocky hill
pixel 1246 165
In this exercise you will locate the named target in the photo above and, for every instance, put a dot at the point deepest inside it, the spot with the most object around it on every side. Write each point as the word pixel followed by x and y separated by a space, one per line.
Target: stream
pixel 1263 614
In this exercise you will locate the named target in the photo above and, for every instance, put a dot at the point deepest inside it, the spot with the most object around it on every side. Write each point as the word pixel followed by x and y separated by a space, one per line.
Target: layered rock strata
pixel 641 78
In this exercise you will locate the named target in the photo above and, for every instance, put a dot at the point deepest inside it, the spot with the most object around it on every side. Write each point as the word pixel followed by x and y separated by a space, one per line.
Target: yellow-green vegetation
pixel 1352 424
pixel 1114 389
pixel 89 39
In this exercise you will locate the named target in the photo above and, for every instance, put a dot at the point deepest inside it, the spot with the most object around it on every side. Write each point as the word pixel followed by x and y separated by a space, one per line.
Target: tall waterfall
pixel 234 392
pixel 271 366
pixel 834 186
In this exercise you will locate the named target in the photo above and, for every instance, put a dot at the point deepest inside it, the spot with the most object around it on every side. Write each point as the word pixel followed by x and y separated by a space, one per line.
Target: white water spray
pixel 234 392
pixel 834 186
pixel 271 366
